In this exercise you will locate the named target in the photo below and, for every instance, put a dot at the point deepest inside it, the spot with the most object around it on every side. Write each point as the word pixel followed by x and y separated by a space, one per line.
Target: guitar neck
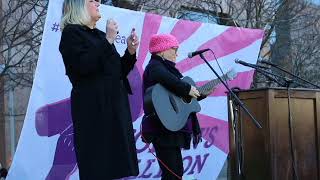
pixel 209 85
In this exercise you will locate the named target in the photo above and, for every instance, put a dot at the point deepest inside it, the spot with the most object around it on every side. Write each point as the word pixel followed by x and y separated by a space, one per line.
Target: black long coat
pixel 103 133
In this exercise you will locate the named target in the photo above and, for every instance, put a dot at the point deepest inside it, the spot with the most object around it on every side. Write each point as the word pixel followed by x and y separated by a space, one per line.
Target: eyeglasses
pixel 175 49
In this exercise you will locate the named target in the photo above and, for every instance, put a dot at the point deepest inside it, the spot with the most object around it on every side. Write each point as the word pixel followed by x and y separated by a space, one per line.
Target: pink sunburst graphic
pixel 230 41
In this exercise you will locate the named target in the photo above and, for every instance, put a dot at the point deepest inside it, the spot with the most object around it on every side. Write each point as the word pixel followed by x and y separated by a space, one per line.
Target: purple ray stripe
pixel 184 29
pixel 218 134
pixel 230 41
pixel 151 26
pixel 135 100
pixel 72 172
pixel 243 81
pixel 59 111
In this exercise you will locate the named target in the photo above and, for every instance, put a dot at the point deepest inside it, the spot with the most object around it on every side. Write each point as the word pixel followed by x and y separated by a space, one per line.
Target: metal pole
pixel 12 122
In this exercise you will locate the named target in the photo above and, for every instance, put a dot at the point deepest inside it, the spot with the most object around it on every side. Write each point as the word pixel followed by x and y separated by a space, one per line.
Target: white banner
pixel 45 149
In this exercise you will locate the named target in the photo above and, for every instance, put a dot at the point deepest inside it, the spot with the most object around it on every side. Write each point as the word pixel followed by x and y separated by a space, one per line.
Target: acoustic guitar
pixel 172 110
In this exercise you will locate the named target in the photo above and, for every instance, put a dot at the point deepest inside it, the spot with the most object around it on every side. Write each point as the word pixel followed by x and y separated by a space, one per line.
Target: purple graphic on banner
pixel 135 100
pixel 54 119
pixel 55 27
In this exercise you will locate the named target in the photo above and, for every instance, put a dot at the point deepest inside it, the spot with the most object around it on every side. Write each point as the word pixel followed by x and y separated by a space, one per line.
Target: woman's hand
pixel 194 92
pixel 133 42
pixel 111 30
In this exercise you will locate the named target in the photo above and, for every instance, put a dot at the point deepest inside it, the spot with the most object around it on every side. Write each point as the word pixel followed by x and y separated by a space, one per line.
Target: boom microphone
pixel 249 64
pixel 192 54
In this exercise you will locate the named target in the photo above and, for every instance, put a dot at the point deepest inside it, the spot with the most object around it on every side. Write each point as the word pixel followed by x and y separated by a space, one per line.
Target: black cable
pixel 159 160
pixel 294 165
pixel 238 137
pixel 223 74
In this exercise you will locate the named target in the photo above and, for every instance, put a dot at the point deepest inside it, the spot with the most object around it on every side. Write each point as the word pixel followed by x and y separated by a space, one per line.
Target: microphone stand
pixel 295 76
pixel 270 75
pixel 238 101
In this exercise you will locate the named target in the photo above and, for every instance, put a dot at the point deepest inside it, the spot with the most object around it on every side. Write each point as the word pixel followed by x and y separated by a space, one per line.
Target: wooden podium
pixel 267 153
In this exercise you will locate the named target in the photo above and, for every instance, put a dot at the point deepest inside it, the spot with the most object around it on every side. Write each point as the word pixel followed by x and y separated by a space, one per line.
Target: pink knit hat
pixel 162 42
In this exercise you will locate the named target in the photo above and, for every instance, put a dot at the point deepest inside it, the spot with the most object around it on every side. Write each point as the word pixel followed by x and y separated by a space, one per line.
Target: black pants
pixel 171 157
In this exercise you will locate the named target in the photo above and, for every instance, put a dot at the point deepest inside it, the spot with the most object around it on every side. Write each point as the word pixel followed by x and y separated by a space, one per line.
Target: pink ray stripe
pixel 243 81
pixel 184 29
pixel 150 26
pixel 230 41
pixel 218 134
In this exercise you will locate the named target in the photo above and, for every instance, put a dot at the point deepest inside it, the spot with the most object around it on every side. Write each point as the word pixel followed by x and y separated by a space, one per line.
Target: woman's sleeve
pixel 127 62
pixel 201 97
pixel 79 57
pixel 160 74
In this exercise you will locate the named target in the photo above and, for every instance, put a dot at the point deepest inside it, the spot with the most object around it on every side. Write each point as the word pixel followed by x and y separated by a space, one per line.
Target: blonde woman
pixel 103 133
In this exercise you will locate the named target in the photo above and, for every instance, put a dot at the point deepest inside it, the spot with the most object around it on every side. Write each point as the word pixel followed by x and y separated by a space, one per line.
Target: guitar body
pixel 173 111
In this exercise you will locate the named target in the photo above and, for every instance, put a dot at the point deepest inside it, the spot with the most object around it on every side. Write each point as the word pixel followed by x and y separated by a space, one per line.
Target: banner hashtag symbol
pixel 55 27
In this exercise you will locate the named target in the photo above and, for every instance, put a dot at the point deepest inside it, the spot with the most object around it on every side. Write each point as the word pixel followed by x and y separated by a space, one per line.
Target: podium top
pixel 279 88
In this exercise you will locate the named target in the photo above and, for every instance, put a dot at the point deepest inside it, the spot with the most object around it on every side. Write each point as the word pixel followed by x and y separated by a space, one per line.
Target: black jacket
pixel 164 72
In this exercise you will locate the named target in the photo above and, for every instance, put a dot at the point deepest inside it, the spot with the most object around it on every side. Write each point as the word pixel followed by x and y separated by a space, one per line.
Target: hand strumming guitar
pixel 194 92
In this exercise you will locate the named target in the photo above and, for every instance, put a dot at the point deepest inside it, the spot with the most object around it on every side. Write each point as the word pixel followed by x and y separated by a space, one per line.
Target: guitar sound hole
pixel 186 100
pixel 173 104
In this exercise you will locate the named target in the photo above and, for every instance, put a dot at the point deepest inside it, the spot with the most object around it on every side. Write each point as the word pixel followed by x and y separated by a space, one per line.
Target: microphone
pixel 192 54
pixel 269 63
pixel 240 62
pixel 249 64
pixel 266 73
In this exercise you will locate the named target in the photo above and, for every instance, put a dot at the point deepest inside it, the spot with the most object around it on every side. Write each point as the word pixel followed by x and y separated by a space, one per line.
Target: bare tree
pixel 291 37
pixel 305 44
pixel 285 22
pixel 291 27
pixel 20 38
pixel 21 30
